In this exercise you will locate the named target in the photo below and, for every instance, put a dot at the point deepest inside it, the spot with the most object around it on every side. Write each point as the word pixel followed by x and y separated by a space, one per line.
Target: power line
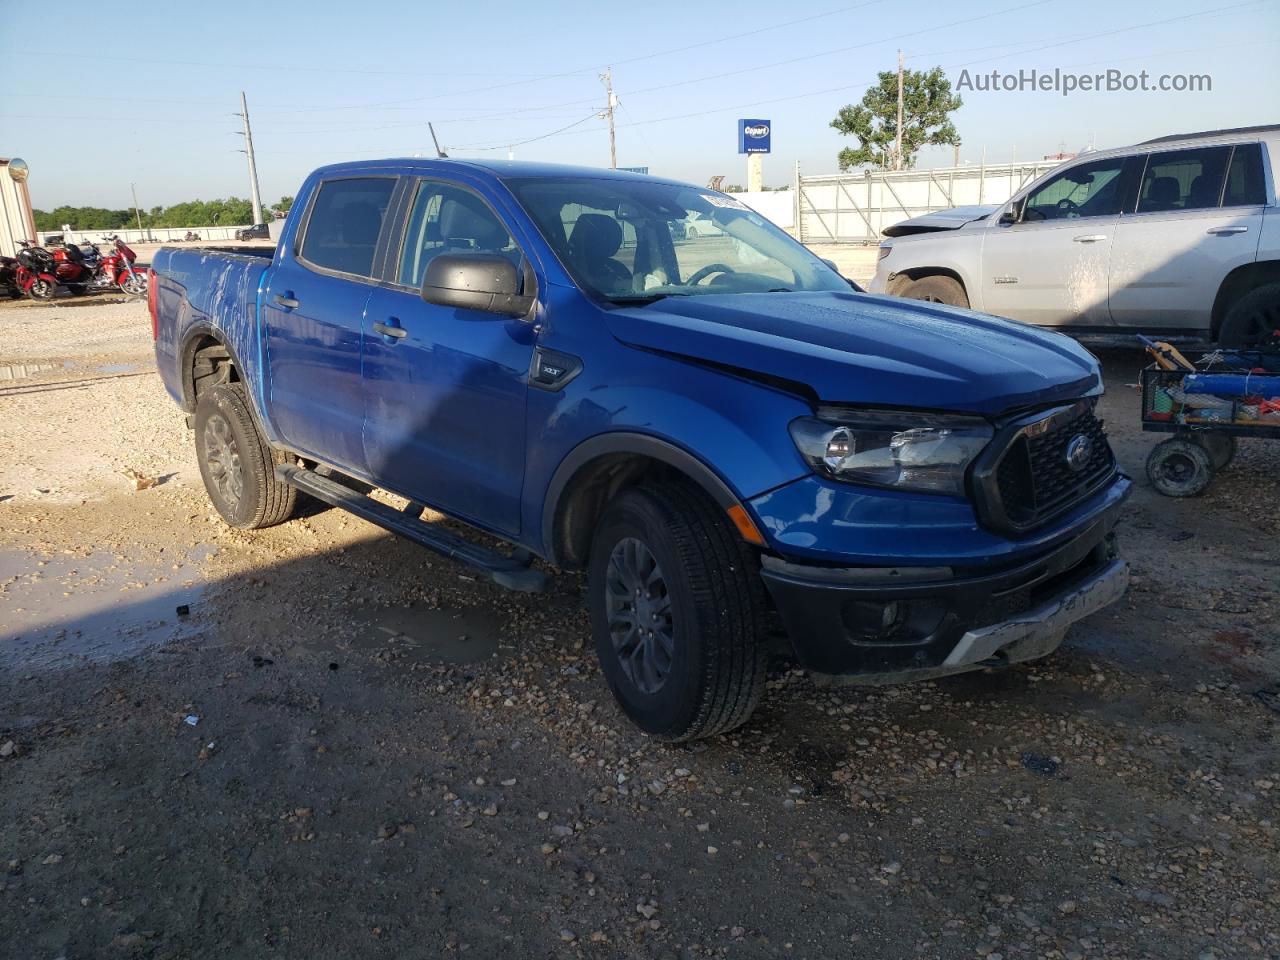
pixel 571 73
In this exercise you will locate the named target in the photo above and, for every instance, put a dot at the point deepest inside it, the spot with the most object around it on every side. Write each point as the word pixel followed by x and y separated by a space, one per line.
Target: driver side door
pixel 1051 267
pixel 445 387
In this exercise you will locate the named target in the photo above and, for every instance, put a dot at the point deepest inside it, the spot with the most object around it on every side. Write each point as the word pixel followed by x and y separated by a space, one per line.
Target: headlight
pixel 903 450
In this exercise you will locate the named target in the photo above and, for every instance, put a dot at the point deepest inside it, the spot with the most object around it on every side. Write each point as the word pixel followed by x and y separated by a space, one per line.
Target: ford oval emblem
pixel 757 131
pixel 1078 452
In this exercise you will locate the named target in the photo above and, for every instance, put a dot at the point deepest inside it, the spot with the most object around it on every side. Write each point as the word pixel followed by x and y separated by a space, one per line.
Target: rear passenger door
pixel 445 398
pixel 1198 216
pixel 312 318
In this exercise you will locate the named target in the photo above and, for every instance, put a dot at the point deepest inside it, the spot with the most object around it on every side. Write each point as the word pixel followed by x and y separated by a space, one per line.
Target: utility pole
pixel 133 188
pixel 897 150
pixel 607 79
pixel 254 194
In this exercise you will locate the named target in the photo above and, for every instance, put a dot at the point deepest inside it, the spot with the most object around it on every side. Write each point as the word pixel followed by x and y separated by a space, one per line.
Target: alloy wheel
pixel 222 455
pixel 638 605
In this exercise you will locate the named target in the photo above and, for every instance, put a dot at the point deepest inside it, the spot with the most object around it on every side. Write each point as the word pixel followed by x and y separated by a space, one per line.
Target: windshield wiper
pixel 640 299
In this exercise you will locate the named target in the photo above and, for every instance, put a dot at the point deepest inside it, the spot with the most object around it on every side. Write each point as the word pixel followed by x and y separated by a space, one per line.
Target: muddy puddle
pixel 62 609
pixel 424 634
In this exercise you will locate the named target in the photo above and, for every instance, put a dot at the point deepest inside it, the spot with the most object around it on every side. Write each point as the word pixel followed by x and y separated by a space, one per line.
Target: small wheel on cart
pixel 1221 447
pixel 1179 468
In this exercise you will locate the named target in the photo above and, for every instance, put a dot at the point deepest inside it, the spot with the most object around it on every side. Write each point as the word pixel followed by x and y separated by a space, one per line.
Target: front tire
pixel 41 289
pixel 937 289
pixel 134 286
pixel 236 462
pixel 1179 468
pixel 676 607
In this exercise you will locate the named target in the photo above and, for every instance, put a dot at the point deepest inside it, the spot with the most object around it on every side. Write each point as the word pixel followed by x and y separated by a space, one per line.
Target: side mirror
pixel 476 281
pixel 1014 213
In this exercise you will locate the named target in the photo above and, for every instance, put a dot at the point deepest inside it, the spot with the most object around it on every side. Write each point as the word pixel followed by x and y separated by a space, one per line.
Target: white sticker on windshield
pixel 728 202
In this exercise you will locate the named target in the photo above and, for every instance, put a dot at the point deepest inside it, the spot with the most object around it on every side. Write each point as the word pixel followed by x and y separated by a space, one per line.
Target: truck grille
pixel 1035 478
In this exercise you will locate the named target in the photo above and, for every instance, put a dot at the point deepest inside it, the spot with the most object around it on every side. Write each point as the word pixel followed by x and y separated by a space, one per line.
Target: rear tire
pixel 236 462
pixel 1179 468
pixel 1252 319
pixel 937 289
pixel 677 607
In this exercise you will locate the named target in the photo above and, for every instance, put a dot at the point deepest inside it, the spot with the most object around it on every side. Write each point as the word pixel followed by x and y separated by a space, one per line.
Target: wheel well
pixel 206 361
pixel 589 491
pixel 911 274
pixel 1237 283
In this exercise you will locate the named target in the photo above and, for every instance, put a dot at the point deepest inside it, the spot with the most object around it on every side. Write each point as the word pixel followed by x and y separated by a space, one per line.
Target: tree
pixel 927 102
pixel 285 204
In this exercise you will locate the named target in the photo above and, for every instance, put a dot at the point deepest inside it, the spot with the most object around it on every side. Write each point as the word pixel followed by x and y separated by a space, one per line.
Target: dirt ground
pixel 318 741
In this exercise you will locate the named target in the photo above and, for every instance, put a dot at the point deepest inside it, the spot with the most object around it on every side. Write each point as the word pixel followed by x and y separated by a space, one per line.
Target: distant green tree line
pixel 194 213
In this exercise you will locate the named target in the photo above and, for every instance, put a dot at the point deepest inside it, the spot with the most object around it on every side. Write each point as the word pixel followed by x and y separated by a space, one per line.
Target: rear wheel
pixel 677 613
pixel 1253 318
pixel 236 463
pixel 1179 468
pixel 937 289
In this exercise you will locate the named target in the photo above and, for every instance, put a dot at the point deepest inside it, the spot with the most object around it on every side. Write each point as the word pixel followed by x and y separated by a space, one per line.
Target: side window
pixel 1086 190
pixel 345 220
pixel 1246 186
pixel 447 219
pixel 1183 180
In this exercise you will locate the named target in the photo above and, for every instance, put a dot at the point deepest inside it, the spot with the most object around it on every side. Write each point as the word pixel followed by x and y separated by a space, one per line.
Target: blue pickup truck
pixel 724 433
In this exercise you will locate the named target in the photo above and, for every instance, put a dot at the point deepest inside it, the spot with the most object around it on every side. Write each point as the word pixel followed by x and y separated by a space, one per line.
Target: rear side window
pixel 1246 185
pixel 346 218
pixel 1183 180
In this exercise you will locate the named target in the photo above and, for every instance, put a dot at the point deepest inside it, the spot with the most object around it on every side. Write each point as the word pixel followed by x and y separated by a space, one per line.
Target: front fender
pixel 727 433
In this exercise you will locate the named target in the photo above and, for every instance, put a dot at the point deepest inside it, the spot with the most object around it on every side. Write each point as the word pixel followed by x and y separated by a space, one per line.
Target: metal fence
pixel 146 235
pixel 856 207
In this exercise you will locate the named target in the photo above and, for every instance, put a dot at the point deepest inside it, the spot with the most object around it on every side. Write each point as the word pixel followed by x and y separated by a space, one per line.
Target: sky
pixel 154 104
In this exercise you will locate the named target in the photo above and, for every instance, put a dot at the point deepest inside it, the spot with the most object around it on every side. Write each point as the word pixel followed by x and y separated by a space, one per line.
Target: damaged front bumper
pixel 895 625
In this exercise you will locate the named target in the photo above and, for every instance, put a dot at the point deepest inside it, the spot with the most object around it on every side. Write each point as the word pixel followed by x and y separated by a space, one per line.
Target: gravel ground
pixel 390 758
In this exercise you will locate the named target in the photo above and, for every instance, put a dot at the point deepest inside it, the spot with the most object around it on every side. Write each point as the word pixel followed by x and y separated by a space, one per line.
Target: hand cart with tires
pixel 1206 406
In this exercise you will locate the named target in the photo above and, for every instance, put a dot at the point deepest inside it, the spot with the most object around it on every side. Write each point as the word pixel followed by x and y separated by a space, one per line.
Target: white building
pixel 16 219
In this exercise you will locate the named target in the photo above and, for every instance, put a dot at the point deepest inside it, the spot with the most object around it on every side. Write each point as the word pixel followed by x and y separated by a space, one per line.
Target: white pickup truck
pixel 1178 236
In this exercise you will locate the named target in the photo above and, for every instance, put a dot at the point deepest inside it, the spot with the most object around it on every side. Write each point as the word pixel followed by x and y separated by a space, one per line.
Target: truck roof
pixel 502 169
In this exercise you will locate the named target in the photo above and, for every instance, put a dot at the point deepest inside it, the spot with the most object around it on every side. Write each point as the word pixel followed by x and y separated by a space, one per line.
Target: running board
pixel 512 572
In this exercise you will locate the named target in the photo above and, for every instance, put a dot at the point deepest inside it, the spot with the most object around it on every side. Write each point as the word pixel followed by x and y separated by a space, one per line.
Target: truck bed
pixel 207 290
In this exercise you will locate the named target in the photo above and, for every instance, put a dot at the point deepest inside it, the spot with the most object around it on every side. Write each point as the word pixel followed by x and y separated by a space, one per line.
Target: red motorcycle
pixel 36 275
pixel 116 270
pixel 9 278
pixel 71 270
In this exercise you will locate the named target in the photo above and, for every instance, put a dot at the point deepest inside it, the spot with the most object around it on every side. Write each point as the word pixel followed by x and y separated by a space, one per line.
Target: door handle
pixel 398 333
pixel 1226 230
pixel 286 301
pixel 1090 238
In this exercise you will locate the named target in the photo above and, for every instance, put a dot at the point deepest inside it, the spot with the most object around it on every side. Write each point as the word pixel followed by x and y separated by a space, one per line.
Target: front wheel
pixel 676 607
pixel 236 462
pixel 41 289
pixel 1179 468
pixel 937 289
pixel 135 285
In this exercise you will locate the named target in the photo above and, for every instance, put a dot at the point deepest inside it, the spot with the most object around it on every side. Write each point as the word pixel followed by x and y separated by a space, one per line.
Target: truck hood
pixel 951 219
pixel 862 349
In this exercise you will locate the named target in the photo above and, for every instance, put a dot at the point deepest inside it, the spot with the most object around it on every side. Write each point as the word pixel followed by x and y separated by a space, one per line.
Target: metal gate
pixel 855 207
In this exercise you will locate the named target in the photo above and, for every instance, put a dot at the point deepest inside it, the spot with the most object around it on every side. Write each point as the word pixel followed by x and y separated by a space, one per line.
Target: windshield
pixel 636 241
